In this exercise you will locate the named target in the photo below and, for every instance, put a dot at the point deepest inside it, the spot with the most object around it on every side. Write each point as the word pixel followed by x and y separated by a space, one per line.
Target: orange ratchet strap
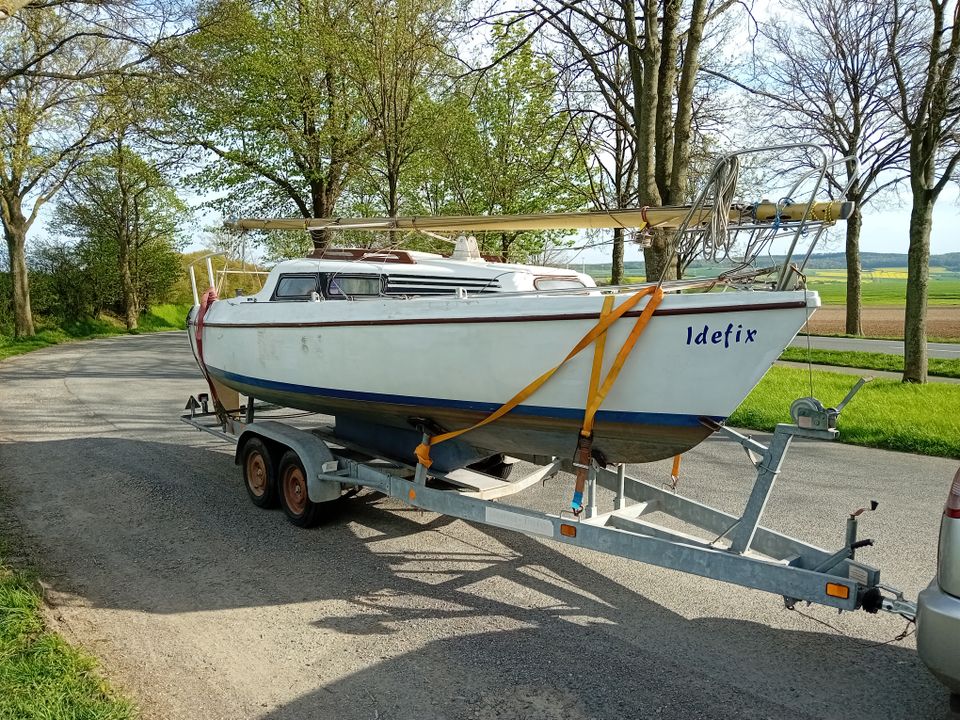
pixel 585 441
pixel 597 393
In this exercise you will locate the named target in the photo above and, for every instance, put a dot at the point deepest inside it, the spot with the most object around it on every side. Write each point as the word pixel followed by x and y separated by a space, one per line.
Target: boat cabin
pixel 356 274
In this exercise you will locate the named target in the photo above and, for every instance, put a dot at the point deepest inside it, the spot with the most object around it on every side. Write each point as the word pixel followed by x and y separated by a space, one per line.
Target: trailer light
pixel 412 494
pixel 838 591
pixel 952 508
pixel 568 530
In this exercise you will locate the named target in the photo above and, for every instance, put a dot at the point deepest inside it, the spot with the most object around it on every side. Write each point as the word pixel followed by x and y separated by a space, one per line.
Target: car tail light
pixel 953 499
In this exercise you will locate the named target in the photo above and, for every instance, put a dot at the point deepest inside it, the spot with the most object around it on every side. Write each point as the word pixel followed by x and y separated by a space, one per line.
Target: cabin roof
pixel 423 264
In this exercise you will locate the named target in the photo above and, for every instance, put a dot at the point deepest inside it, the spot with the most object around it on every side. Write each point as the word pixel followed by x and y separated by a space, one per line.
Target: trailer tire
pixel 493 466
pixel 259 473
pixel 294 497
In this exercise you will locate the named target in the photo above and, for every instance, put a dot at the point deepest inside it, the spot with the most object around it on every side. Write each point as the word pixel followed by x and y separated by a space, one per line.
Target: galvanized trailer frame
pixel 734 549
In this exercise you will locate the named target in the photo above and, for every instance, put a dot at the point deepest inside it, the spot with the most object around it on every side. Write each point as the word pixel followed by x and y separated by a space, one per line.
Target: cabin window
pixel 353 286
pixel 295 287
pixel 557 283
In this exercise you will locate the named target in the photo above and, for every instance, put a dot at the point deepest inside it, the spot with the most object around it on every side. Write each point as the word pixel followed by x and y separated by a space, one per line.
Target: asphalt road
pixel 203 606
pixel 950 351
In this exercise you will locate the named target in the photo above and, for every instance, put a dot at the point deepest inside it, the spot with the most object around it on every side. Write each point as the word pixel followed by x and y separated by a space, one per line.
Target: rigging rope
pixel 712 239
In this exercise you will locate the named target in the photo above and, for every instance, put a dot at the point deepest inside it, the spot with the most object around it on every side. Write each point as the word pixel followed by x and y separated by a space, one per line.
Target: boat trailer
pixel 733 549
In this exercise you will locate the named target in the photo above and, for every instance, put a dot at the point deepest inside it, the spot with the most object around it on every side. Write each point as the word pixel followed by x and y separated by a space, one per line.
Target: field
pixel 887 286
pixel 943 322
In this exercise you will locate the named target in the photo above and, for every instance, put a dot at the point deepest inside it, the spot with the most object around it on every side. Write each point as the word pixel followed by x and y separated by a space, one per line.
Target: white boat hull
pixel 455 360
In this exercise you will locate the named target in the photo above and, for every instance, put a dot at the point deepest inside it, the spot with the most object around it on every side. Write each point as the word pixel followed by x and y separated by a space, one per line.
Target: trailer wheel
pixel 296 503
pixel 259 475
pixel 493 466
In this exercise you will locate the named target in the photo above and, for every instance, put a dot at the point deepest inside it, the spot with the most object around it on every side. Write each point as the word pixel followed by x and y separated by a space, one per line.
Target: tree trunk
pixel 680 159
pixel 918 276
pixel 393 180
pixel 644 66
pixel 658 254
pixel 854 222
pixel 616 268
pixel 15 230
pixel 125 239
pixel 131 309
pixel 321 203
pixel 667 78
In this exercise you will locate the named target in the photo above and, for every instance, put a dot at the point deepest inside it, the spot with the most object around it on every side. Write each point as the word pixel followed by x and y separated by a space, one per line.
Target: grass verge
pixel 940 367
pixel 885 414
pixel 158 318
pixel 41 676
pixel 930 338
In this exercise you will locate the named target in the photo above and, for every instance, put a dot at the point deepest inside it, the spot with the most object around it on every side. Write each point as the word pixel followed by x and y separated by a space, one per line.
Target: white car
pixel 938 607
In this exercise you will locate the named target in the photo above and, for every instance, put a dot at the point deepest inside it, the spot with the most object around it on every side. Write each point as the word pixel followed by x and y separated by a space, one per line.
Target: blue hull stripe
pixel 616 416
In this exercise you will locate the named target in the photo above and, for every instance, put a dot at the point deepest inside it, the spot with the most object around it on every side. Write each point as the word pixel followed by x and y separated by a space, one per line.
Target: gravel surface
pixel 203 606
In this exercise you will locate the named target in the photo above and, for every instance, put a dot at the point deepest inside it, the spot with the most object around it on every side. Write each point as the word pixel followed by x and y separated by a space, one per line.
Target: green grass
pixel 885 291
pixel 158 318
pixel 939 367
pixel 41 676
pixel 884 414
pixel 165 317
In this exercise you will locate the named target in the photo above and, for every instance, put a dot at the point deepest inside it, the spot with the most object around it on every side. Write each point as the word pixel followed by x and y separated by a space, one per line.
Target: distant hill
pixel 821 261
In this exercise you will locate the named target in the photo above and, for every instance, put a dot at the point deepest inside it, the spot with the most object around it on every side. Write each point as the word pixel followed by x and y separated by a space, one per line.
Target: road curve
pixel 950 351
pixel 203 606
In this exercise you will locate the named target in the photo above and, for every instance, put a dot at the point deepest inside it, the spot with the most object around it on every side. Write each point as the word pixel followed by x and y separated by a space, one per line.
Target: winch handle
pixel 853 391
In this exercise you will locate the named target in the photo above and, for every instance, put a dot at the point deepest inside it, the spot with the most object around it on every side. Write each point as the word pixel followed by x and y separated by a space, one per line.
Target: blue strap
pixel 577 503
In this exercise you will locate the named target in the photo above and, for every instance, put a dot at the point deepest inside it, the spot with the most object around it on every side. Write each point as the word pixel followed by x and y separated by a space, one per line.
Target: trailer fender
pixel 313 452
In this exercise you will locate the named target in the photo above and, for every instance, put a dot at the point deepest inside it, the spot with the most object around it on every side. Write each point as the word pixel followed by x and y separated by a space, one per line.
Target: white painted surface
pixel 489 362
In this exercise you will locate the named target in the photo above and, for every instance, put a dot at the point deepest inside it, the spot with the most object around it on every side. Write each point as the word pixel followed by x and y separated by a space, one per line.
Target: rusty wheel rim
pixel 257 474
pixel 295 490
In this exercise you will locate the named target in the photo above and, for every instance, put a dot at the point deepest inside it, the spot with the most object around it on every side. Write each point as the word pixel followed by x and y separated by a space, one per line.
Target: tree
pixel 125 216
pixel 656 107
pixel 505 149
pixel 47 122
pixel 607 148
pixel 403 53
pixel 827 79
pixel 264 96
pixel 924 51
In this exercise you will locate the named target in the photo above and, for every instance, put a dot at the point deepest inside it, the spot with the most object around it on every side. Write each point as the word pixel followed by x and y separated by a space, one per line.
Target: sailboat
pixel 496 357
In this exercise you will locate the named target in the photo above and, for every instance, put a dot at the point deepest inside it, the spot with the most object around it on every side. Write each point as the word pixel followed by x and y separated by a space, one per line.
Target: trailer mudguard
pixel 312 451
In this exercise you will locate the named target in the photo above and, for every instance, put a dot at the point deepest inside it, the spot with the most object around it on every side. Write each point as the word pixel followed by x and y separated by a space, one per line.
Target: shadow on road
pixel 522 630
